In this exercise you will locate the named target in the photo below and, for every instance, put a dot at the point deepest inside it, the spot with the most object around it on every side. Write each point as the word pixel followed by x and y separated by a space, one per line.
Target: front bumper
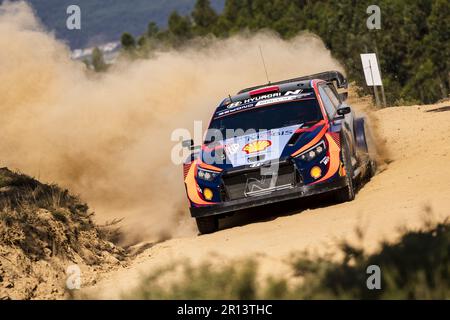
pixel 276 196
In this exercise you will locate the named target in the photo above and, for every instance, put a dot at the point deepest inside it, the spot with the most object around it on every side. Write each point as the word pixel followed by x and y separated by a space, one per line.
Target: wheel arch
pixel 360 134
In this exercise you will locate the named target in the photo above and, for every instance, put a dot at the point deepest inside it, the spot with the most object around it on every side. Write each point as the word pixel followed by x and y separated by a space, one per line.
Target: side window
pixel 328 103
pixel 331 94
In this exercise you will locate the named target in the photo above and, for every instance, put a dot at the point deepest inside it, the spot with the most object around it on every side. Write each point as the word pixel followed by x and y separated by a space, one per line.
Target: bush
pixel 416 267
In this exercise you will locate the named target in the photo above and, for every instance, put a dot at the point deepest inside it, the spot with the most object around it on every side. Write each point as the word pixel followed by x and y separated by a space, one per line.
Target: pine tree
pixel 128 42
pixel 204 17
pixel 437 43
pixel 98 62
pixel 180 27
pixel 152 30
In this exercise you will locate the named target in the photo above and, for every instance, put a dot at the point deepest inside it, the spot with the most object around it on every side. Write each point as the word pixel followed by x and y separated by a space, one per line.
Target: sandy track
pixel 417 177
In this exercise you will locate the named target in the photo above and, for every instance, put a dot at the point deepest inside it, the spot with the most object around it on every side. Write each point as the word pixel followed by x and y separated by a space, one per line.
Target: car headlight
pixel 207 175
pixel 313 152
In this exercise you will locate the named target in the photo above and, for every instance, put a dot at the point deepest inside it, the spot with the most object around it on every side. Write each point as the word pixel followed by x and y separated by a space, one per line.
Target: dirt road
pixel 416 180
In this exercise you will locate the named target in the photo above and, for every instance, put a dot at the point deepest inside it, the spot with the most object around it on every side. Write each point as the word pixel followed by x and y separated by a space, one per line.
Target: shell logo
pixel 256 146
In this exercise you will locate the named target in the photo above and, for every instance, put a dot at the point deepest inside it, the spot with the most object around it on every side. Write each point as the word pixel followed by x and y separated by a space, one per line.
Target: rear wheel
pixel 366 148
pixel 207 224
pixel 347 193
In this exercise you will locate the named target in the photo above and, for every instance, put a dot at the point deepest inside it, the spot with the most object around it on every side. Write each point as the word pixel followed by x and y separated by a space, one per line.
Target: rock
pixel 109 259
pixel 9 285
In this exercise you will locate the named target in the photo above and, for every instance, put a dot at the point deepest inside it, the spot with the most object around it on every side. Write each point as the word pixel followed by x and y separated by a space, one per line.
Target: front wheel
pixel 207 224
pixel 347 193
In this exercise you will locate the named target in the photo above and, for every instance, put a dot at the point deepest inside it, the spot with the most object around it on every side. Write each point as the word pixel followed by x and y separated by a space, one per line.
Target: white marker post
pixel 373 75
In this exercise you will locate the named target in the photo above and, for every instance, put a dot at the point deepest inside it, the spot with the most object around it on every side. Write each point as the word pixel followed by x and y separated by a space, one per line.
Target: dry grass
pixel 42 228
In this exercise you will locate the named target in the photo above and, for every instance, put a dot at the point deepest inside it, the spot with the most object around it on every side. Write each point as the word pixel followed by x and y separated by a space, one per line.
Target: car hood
pixel 257 148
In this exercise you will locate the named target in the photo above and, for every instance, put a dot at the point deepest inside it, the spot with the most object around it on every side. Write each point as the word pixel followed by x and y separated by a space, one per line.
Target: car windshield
pixel 306 112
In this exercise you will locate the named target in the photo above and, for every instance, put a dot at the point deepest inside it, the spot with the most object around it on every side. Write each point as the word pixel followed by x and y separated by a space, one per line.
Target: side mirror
pixel 343 96
pixel 343 111
pixel 187 143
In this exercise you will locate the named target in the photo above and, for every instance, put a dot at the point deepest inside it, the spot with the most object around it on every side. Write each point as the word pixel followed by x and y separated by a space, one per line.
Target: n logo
pixel 266 183
pixel 255 186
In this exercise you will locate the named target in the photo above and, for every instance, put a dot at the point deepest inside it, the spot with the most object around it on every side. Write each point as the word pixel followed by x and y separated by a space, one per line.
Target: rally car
pixel 277 142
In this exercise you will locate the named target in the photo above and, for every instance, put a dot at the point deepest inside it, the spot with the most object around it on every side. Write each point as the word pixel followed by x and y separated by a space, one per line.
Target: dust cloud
pixel 107 137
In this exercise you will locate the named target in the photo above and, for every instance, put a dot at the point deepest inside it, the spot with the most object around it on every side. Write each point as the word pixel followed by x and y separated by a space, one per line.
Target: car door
pixel 332 102
pixel 334 96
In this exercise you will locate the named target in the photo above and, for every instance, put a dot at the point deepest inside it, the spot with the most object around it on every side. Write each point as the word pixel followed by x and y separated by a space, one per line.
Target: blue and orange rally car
pixel 277 142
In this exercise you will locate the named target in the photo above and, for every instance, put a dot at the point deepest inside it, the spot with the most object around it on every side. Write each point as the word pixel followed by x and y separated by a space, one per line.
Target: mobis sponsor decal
pixel 282 99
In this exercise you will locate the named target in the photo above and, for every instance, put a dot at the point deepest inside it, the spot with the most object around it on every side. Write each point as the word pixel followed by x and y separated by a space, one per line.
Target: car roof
pixel 267 90
pixel 299 83
pixel 301 86
pixel 330 76
pixel 282 87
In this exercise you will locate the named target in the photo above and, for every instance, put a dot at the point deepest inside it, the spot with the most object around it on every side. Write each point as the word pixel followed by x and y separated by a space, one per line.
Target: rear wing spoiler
pixel 334 77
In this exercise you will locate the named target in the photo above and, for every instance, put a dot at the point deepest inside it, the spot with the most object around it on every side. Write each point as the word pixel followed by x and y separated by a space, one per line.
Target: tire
pixel 360 135
pixel 365 146
pixel 347 193
pixel 207 225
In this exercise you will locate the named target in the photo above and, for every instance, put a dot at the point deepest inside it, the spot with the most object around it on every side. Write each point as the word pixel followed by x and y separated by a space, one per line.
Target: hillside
pixel 43 231
pixel 106 20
